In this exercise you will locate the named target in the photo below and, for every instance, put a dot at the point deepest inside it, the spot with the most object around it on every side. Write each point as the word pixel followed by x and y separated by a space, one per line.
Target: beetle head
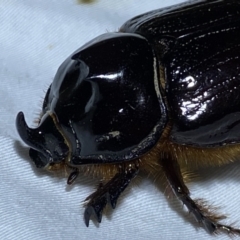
pixel 46 142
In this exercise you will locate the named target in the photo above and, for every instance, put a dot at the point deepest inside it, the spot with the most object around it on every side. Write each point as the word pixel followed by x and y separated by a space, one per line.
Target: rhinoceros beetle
pixel 160 95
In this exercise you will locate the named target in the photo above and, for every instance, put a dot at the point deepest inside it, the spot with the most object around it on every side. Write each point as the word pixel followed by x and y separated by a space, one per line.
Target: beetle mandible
pixel 160 95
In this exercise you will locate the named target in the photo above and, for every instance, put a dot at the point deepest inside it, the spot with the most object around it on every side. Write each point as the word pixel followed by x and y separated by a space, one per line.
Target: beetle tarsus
pixel 202 213
pixel 109 193
pixel 228 229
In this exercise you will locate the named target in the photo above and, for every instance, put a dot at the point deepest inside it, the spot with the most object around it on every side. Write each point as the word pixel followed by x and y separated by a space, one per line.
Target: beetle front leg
pixel 201 213
pixel 109 192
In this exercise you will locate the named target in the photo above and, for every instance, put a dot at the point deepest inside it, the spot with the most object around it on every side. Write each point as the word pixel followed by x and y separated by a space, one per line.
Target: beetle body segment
pixel 113 89
pixel 161 95
pixel 199 50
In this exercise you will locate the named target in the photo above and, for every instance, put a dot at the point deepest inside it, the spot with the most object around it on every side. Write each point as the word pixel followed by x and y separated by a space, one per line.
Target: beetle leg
pixel 201 213
pixel 73 176
pixel 109 192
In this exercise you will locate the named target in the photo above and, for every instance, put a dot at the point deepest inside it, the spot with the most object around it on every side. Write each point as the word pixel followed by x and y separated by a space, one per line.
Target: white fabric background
pixel 35 37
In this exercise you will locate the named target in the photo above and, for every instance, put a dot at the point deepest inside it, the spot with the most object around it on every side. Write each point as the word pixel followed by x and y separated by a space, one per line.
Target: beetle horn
pixel 28 134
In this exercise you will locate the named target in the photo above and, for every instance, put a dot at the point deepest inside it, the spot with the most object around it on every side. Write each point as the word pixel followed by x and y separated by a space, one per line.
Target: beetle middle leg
pixel 109 192
pixel 202 214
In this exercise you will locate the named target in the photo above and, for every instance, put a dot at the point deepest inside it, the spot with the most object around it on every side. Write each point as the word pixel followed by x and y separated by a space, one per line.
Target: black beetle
pixel 161 95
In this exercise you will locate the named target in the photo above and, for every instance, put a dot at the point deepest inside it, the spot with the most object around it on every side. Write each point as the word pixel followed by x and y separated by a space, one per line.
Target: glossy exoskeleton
pixel 161 95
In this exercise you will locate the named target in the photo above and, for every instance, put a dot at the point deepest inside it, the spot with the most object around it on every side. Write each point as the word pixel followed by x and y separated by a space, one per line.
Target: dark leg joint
pixel 73 176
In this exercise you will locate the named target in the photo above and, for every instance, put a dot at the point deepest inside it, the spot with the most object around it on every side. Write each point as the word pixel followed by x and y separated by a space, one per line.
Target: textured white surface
pixel 35 37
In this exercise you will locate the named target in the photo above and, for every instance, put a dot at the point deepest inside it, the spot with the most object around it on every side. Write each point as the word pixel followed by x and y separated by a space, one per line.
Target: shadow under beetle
pixel 161 95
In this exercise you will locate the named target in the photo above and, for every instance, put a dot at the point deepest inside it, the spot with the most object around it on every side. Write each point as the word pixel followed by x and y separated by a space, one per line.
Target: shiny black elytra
pixel 161 94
